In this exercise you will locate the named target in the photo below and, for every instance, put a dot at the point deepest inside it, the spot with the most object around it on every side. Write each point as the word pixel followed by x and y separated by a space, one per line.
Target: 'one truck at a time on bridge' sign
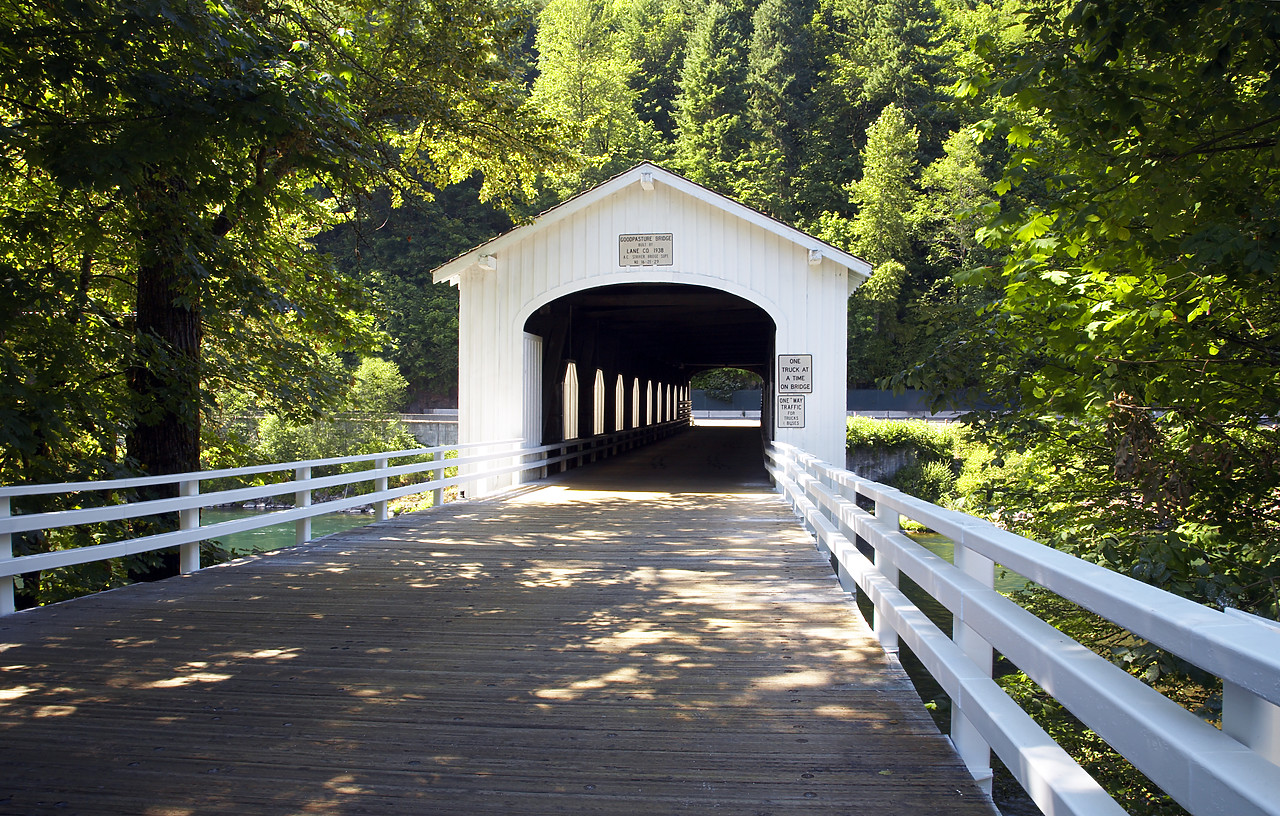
pixel 650 249
pixel 795 373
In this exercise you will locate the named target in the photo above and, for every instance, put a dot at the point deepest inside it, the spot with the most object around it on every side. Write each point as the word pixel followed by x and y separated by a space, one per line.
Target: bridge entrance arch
pixel 624 339
pixel 611 301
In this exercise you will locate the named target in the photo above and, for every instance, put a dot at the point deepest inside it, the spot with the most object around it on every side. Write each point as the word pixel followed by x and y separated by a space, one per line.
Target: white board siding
pixel 716 244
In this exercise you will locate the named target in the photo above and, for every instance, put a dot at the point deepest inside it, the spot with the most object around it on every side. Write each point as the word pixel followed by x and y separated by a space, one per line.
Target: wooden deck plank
pixel 569 650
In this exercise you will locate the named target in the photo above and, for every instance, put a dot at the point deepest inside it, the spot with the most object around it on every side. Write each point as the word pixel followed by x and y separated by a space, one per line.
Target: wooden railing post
pixel 882 630
pixel 380 486
pixel 302 498
pixel 844 521
pixel 189 553
pixel 1248 718
pixel 437 473
pixel 7 603
pixel 969 743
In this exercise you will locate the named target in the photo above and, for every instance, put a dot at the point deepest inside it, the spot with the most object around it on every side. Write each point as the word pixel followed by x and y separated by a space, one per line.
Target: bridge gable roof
pixel 646 175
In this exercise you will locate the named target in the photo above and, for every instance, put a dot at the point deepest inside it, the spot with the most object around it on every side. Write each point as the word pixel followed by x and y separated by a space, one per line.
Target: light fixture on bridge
pixel 488 262
pixel 646 180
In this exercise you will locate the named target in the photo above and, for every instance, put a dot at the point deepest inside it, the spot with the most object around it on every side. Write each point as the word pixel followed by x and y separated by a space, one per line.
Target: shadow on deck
pixel 631 638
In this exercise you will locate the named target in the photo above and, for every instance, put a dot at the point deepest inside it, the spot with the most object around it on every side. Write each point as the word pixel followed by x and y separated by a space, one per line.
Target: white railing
pixel 478 463
pixel 1233 771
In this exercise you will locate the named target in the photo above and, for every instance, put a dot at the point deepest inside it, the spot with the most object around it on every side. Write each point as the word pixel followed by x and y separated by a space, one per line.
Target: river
pixel 276 536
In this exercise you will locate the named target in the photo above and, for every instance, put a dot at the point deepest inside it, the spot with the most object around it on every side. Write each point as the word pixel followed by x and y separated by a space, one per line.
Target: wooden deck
pixel 654 635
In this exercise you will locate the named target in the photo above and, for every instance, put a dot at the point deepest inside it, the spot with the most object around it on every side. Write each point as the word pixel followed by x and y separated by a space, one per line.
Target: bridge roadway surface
pixel 651 635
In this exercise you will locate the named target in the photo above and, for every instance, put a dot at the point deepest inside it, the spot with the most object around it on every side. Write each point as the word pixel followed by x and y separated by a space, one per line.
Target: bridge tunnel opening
pixel 618 357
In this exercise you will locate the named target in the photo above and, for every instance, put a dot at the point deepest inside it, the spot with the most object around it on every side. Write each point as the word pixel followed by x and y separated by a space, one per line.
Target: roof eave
pixel 452 270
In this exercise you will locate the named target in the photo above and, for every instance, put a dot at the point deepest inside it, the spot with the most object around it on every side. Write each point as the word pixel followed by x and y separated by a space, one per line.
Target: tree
pixel 394 249
pixel 711 109
pixel 376 388
pixel 877 336
pixel 170 158
pixel 657 32
pixel 1136 337
pixel 585 82
pixel 955 201
pixel 721 383
pixel 779 82
pixel 885 195
pixel 373 392
pixel 874 53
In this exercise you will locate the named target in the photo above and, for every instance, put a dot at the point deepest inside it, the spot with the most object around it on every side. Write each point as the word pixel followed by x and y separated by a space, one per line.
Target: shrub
pixel 932 481
pixel 931 441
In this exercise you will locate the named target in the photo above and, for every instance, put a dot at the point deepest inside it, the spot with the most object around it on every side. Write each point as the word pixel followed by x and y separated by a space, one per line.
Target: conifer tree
pixel 874 53
pixel 711 110
pixel 884 195
pixel 780 76
pixel 657 34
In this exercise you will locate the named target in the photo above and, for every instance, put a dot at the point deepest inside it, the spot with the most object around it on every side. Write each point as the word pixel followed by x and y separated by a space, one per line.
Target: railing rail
pixel 493 459
pixel 1207 770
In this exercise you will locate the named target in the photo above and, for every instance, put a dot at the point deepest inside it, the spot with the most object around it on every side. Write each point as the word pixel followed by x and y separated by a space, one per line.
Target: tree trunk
pixel 165 374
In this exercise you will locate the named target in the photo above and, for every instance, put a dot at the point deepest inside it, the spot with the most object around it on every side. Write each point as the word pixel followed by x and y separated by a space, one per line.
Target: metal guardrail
pixel 1234 771
pixel 477 462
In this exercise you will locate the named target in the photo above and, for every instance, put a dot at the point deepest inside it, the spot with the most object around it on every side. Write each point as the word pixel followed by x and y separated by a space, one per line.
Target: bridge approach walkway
pixel 652 635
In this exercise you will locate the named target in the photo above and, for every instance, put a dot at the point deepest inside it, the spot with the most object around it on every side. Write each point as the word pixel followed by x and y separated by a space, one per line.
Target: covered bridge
pixel 594 317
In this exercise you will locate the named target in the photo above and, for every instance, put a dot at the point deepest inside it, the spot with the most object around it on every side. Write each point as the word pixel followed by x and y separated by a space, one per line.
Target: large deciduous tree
pixel 165 162
pixel 1137 332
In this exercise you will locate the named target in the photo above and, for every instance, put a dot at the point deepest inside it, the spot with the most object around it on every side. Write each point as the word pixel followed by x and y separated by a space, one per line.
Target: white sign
pixel 791 412
pixel 795 373
pixel 651 249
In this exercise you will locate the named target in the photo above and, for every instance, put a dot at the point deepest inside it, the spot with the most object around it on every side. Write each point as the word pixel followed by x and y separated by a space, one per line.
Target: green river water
pixel 276 536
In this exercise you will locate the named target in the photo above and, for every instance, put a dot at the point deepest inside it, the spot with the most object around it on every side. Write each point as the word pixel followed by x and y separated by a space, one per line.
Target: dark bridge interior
pixel 660 332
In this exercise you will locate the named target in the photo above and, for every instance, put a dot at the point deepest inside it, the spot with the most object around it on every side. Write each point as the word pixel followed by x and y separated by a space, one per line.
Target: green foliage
pixel 656 32
pixel 871 54
pixel 781 72
pixel 886 54
pixel 876 334
pixel 278 441
pixel 1124 783
pixel 932 441
pixel 164 165
pixel 374 391
pixel 1131 340
pixel 377 388
pixel 932 481
pixel 1193 689
pixel 956 198
pixel 368 425
pixel 394 249
pixel 948 466
pixel 711 108
pixel 587 82
pixel 885 195
pixel 720 383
